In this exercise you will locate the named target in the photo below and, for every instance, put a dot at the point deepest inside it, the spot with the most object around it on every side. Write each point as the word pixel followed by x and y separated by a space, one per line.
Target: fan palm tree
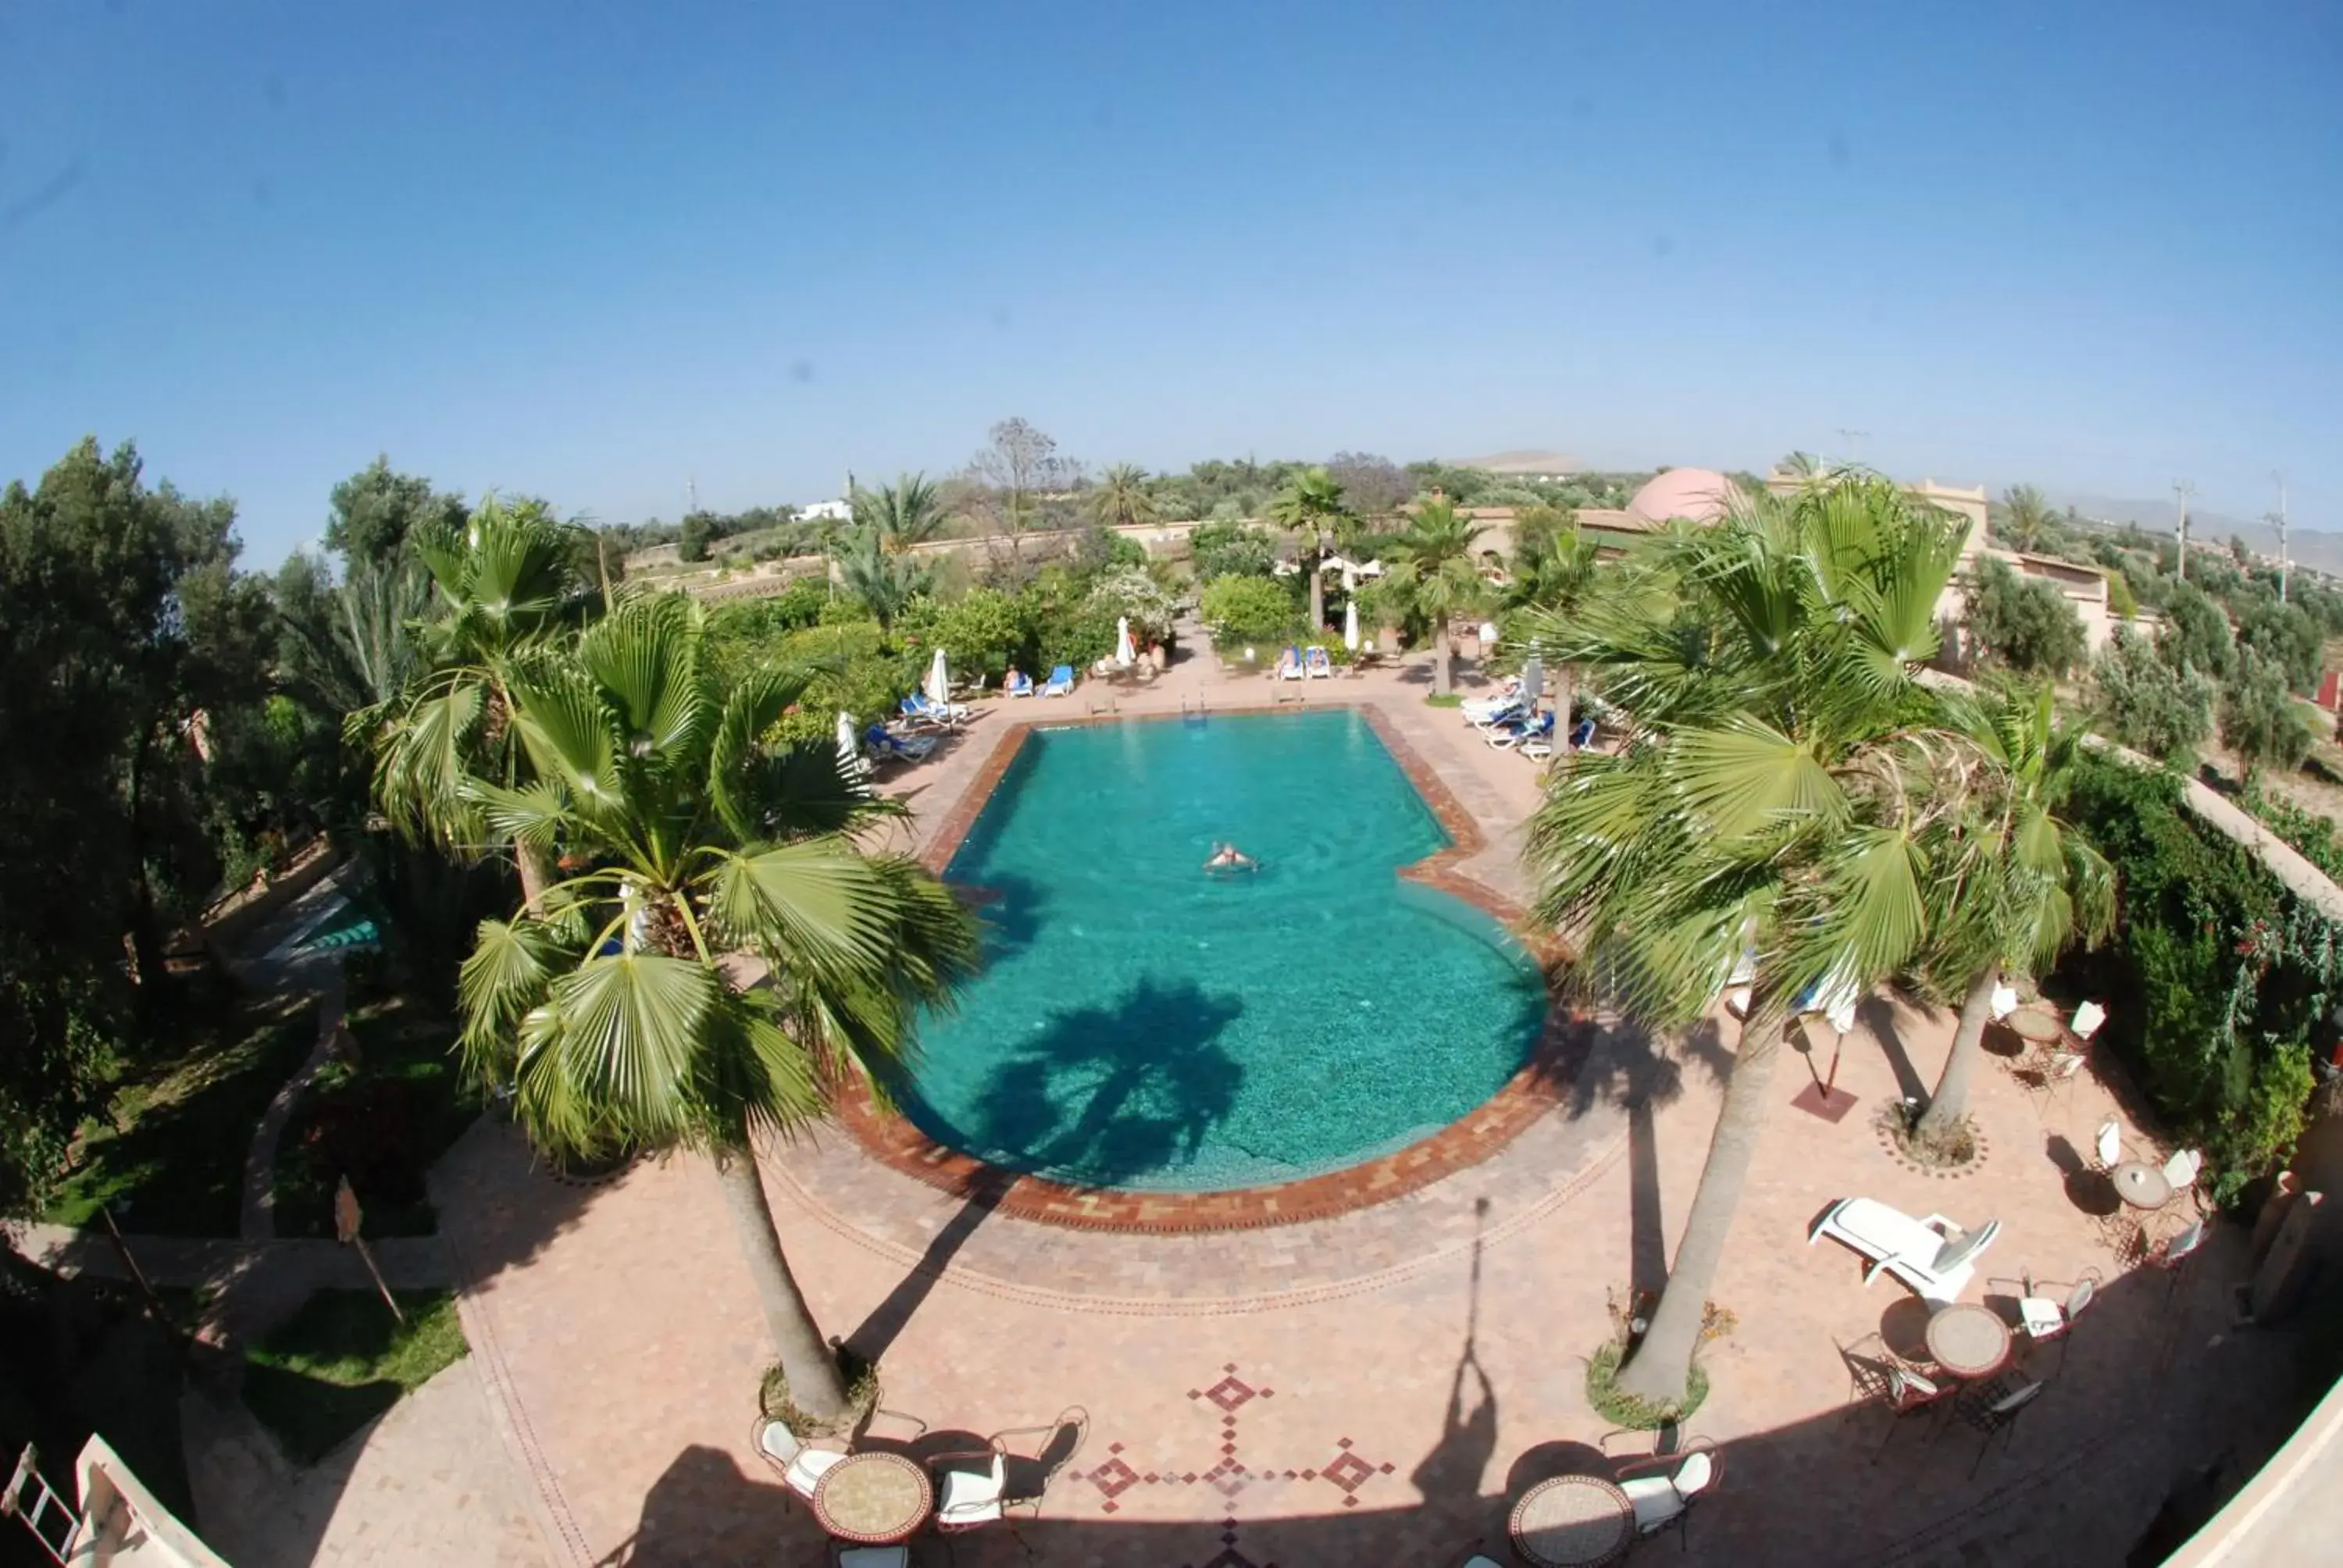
pixel 1312 504
pixel 883 580
pixel 1121 498
pixel 2025 517
pixel 1769 826
pixel 729 949
pixel 1556 574
pixel 910 511
pixel 2022 884
pixel 1435 574
pixel 502 585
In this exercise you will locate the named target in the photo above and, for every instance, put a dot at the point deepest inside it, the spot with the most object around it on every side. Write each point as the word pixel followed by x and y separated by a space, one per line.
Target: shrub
pixel 2284 635
pixel 2023 623
pixel 1130 591
pixel 2221 981
pixel 1246 608
pixel 986 631
pixel 2260 721
pixel 1228 548
pixel 2148 703
pixel 2196 633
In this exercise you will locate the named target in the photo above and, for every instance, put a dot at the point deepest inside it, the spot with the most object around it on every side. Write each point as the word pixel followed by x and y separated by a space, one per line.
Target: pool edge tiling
pixel 1534 1090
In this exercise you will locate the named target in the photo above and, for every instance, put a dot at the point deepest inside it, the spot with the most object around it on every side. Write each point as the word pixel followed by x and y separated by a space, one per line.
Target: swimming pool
pixel 1140 1023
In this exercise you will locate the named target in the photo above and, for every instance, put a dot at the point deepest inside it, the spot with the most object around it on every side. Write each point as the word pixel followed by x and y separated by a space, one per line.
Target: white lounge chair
pixel 1485 710
pixel 1933 1256
pixel 802 1467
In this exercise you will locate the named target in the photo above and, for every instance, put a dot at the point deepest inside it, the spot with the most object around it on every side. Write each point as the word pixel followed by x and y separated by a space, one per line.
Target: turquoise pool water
pixel 346 927
pixel 1142 1024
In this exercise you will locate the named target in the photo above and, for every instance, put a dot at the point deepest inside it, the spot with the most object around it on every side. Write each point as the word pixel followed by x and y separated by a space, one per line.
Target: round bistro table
pixel 876 1498
pixel 2035 1025
pixel 1969 1341
pixel 2140 1185
pixel 1573 1521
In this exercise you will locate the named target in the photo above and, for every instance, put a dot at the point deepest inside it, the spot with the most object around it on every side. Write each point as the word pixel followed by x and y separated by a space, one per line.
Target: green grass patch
pixel 1626 1410
pixel 1444 699
pixel 170 1156
pixel 382 1121
pixel 342 1360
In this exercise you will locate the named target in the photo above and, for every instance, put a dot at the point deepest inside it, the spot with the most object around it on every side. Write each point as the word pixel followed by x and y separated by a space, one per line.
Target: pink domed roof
pixel 1701 495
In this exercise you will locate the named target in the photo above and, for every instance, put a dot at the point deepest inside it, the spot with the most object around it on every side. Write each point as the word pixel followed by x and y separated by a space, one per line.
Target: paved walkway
pixel 256 1214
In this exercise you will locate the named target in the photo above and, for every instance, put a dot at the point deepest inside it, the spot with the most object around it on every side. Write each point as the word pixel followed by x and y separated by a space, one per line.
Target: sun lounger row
pixel 1313 663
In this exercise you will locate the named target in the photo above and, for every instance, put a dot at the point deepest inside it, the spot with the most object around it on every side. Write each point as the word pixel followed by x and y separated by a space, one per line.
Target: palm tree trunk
pixel 1317 589
pixel 1663 1362
pixel 806 1359
pixel 535 876
pixel 1443 676
pixel 1951 1100
pixel 1566 692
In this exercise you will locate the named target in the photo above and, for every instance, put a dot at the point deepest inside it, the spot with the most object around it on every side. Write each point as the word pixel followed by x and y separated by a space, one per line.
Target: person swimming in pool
pixel 1228 858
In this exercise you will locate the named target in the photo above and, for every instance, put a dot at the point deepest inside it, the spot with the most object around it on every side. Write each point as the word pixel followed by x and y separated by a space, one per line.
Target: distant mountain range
pixel 2308 547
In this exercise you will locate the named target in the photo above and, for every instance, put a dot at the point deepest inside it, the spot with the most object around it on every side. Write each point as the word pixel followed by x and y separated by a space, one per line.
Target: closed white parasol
pixel 938 685
pixel 1124 654
pixel 850 748
pixel 1350 626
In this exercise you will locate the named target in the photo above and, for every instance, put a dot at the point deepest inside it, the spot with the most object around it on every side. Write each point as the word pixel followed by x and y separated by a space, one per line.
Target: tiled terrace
pixel 1366 1387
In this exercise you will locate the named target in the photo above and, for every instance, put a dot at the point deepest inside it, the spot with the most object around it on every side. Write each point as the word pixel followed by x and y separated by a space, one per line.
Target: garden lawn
pixel 382 1122
pixel 342 1360
pixel 174 1165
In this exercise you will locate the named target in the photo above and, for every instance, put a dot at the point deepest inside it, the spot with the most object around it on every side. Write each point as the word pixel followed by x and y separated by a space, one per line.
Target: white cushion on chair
pixel 779 1441
pixel 2180 1170
pixel 2004 1001
pixel 972 1498
pixel 806 1470
pixel 1694 1474
pixel 2087 1020
pixel 2038 1316
pixel 2110 1142
pixel 1655 1501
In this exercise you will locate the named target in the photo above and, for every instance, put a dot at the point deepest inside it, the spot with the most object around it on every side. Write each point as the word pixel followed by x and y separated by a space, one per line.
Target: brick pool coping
pixel 891 1138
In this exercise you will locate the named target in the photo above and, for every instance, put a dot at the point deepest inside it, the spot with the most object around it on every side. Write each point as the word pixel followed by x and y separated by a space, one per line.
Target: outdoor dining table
pixel 874 1497
pixel 1968 1341
pixel 2140 1185
pixel 2035 1025
pixel 1573 1521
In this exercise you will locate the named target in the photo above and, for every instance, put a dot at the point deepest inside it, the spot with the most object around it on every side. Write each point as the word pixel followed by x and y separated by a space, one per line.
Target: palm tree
pixel 910 511
pixel 729 950
pixel 2026 516
pixel 1435 574
pixel 502 585
pixel 1312 506
pixel 885 581
pixel 2022 884
pixel 1121 498
pixel 1767 826
pixel 1557 573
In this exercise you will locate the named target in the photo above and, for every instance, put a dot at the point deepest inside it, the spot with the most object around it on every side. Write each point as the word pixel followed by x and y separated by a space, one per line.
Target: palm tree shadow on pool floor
pixel 1105 1095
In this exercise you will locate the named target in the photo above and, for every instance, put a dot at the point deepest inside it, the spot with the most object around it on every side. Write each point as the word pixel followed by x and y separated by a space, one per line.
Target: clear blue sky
pixel 589 250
